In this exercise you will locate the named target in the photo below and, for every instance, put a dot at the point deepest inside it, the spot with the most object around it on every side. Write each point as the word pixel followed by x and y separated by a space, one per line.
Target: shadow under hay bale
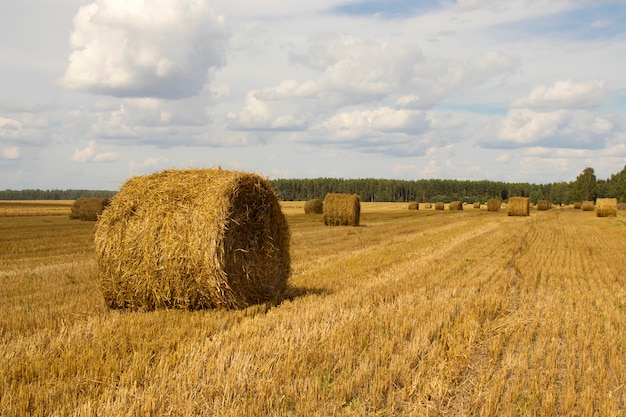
pixel 342 210
pixel 193 239
pixel 455 205
pixel 493 204
pixel 519 206
pixel 587 206
pixel 543 205
pixel 439 205
pixel 606 207
pixel 314 206
pixel 88 208
pixel 414 205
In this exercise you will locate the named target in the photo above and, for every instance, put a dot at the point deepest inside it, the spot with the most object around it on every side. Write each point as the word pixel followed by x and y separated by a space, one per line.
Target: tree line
pixel 585 187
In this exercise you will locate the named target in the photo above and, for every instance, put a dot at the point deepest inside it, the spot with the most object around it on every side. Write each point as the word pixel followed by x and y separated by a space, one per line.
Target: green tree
pixel 585 187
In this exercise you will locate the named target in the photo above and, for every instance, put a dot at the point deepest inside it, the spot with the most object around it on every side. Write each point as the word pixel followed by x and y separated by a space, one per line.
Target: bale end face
pixel 192 239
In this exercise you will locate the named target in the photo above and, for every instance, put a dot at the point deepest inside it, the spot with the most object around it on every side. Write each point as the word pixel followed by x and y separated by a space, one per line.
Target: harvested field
pixel 403 316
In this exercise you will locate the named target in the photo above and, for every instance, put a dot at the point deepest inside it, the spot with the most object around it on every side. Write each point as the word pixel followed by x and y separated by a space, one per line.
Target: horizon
pixel 468 90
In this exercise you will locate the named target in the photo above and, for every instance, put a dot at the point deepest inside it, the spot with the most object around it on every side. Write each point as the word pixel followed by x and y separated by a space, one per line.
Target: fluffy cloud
pixel 565 94
pixel 89 154
pixel 12 152
pixel 9 128
pixel 136 48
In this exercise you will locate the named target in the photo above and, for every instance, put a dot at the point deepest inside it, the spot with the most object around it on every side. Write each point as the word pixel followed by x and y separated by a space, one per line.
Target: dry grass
pixel 404 316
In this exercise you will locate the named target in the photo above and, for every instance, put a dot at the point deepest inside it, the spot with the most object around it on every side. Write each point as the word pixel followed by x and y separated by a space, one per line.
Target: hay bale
pixel 476 205
pixel 587 206
pixel 493 204
pixel 455 205
pixel 621 206
pixel 439 205
pixel 193 239
pixel 414 205
pixel 428 205
pixel 578 205
pixel 543 205
pixel 606 207
pixel 314 206
pixel 88 209
pixel 342 210
pixel 519 206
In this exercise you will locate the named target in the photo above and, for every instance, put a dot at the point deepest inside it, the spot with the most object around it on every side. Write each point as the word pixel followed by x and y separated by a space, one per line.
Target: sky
pixel 93 92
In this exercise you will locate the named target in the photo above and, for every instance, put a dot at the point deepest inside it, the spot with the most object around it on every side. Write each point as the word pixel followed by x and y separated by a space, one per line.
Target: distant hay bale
pixel 493 204
pixel 621 206
pixel 314 206
pixel 587 206
pixel 455 205
pixel 439 205
pixel 476 205
pixel 428 205
pixel 414 205
pixel 606 207
pixel 578 205
pixel 192 239
pixel 543 205
pixel 88 209
pixel 342 209
pixel 519 206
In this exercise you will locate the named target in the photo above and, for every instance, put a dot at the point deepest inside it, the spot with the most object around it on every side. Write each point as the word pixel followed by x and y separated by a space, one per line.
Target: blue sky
pixel 95 91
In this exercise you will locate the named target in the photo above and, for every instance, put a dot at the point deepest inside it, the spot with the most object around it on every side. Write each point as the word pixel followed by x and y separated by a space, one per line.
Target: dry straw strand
pixel 193 239
pixel 493 204
pixel 455 205
pixel 88 208
pixel 314 206
pixel 519 206
pixel 587 206
pixel 606 207
pixel 439 205
pixel 414 205
pixel 342 209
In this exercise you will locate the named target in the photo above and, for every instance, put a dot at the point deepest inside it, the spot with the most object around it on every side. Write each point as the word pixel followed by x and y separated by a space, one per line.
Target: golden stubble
pixel 412 313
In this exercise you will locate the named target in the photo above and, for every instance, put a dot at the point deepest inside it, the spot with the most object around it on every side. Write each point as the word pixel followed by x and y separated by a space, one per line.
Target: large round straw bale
pixel 414 205
pixel 455 205
pixel 543 205
pixel 88 208
pixel 587 206
pixel 578 204
pixel 493 204
pixel 193 239
pixel 439 205
pixel 519 206
pixel 342 209
pixel 606 207
pixel 314 206
pixel 476 205
pixel 428 205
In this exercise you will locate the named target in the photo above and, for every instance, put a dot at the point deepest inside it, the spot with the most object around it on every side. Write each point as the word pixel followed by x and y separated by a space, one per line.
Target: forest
pixel 585 187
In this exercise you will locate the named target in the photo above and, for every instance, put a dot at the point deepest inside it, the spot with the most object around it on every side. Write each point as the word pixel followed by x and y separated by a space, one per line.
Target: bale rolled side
pixel 193 239
pixel 455 205
pixel 587 206
pixel 428 205
pixel 493 204
pixel 578 205
pixel 342 209
pixel 88 208
pixel 439 205
pixel 543 205
pixel 606 207
pixel 314 206
pixel 519 206
pixel 414 205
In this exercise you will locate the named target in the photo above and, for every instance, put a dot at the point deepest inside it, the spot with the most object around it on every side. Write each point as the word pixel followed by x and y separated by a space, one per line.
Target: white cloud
pixel 84 155
pixel 12 152
pixel 565 95
pixel 136 48
pixel 106 157
pixel 9 128
pixel 139 167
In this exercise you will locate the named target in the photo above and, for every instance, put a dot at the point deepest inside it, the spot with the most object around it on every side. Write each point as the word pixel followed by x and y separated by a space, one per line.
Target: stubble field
pixel 416 313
